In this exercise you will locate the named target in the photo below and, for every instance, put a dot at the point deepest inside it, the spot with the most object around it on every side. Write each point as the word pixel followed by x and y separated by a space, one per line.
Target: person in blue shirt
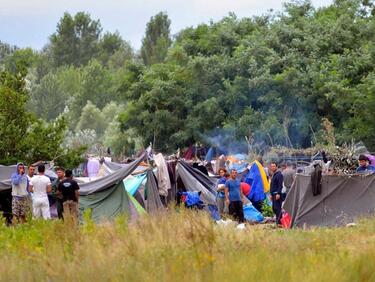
pixel 220 198
pixel 276 188
pixel 233 196
pixel 364 166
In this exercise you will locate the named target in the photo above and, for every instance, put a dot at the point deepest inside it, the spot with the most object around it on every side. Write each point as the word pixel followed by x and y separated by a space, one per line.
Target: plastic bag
pixel 285 220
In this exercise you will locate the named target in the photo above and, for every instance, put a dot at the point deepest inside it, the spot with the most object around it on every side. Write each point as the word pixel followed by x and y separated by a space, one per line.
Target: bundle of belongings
pixel 192 200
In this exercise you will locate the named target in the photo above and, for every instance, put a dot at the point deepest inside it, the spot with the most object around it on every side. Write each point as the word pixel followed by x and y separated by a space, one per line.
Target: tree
pixel 91 118
pixel 13 115
pixel 23 137
pixel 52 94
pixel 76 40
pixel 113 50
pixel 157 39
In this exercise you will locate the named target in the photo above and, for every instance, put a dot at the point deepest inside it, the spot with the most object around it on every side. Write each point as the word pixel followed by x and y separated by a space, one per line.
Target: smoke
pixel 226 141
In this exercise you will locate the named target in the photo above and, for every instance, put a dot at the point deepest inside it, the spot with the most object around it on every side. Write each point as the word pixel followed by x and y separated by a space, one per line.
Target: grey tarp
pixel 112 179
pixel 7 171
pixel 153 203
pixel 106 204
pixel 113 166
pixel 343 199
pixel 194 180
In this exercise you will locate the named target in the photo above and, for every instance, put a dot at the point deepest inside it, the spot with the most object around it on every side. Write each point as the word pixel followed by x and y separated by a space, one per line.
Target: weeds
pixel 184 246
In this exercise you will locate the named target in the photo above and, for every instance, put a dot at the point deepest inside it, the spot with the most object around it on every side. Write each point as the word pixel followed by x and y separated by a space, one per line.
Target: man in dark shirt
pixel 275 190
pixel 69 190
pixel 233 196
pixel 58 196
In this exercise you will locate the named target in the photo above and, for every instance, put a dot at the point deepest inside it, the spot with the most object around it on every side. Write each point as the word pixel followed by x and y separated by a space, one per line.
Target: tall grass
pixel 184 246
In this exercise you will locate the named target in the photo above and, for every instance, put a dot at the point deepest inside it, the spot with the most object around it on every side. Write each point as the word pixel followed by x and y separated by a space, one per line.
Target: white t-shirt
pixel 40 184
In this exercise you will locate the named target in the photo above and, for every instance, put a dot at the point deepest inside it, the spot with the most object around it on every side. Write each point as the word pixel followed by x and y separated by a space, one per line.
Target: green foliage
pixel 76 39
pixel 267 209
pixel 14 119
pixel 23 137
pixel 157 39
pixel 273 77
pixel 91 118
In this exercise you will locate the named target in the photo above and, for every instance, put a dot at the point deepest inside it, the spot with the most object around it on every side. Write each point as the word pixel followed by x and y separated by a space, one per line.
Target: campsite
pixel 183 141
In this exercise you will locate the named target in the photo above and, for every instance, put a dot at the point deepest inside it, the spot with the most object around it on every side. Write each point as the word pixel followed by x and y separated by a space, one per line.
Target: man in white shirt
pixel 40 185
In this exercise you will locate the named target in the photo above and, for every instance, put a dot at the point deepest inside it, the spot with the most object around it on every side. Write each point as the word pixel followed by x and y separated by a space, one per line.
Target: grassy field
pixel 185 246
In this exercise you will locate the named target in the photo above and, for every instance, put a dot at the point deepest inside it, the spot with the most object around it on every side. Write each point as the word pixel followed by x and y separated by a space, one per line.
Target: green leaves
pixel 157 39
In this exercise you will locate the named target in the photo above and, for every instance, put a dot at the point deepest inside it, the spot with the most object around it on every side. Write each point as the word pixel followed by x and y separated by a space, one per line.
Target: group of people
pixel 34 193
pixel 232 192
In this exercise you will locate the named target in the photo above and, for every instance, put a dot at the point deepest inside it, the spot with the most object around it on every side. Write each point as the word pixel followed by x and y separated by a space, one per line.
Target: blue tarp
pixel 192 199
pixel 252 214
pixel 132 184
pixel 257 187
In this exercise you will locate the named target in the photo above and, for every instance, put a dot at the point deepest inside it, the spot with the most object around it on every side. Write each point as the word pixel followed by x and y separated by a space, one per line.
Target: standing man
pixel 275 190
pixel 233 196
pixel 20 194
pixel 58 196
pixel 30 172
pixel 69 190
pixel 40 185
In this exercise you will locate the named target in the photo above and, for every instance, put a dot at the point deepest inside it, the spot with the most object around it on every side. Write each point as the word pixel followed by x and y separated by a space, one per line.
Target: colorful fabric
pixel 137 205
pixel 257 179
pixel 132 183
pixel 192 198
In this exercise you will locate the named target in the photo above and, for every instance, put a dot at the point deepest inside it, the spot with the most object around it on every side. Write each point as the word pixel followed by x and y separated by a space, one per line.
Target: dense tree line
pixel 272 78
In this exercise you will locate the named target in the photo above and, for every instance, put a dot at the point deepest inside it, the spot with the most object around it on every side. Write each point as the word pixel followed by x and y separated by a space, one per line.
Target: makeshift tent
pixel 342 200
pixel 257 179
pixel 132 183
pixel 153 202
pixel 107 196
pixel 111 167
pixel 106 204
pixel 194 180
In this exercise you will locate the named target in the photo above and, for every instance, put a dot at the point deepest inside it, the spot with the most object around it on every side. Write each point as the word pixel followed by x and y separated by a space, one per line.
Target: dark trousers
pixel 59 207
pixel 258 205
pixel 276 208
pixel 236 210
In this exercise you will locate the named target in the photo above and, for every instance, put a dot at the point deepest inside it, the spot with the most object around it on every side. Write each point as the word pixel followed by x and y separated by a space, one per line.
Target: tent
pixel 195 180
pixel 342 200
pixel 151 195
pixel 107 196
